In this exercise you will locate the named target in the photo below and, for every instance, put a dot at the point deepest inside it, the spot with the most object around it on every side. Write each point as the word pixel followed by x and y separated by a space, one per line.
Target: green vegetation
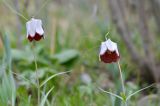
pixel 68 66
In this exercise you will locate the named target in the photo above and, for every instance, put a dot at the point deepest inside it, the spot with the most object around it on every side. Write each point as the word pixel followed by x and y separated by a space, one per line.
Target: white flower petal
pixel 108 45
pixel 112 46
pixel 28 28
pixel 39 28
pixel 33 26
pixel 103 48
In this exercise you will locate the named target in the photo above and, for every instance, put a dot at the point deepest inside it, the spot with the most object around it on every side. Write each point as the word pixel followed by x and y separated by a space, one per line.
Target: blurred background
pixel 74 30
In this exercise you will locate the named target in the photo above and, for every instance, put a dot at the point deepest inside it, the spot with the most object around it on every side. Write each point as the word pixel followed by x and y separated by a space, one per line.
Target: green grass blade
pixel 139 91
pixel 24 78
pixel 112 94
pixel 48 79
pixel 9 82
pixel 45 97
pixel 7 53
pixel 29 100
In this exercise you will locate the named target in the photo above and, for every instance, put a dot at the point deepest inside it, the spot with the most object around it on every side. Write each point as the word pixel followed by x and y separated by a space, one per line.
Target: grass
pixel 77 37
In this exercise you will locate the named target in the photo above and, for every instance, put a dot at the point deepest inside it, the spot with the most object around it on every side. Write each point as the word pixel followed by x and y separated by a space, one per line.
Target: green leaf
pixel 45 97
pixel 8 87
pixel 7 47
pixel 49 78
pixel 139 91
pixel 66 56
pixel 22 55
pixel 112 94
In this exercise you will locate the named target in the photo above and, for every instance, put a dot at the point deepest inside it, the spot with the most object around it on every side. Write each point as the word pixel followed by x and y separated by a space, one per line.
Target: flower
pixel 34 30
pixel 109 52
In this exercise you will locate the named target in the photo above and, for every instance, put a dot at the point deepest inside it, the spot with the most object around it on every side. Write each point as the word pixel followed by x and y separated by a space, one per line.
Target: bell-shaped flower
pixel 34 30
pixel 109 52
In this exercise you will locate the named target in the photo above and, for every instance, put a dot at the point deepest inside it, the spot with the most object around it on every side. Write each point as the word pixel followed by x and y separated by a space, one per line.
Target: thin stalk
pixel 126 103
pixel 13 10
pixel 122 81
pixel 36 69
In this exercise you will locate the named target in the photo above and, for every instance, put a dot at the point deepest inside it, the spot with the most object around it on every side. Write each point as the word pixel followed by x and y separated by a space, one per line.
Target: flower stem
pixel 122 81
pixel 36 69
pixel 126 103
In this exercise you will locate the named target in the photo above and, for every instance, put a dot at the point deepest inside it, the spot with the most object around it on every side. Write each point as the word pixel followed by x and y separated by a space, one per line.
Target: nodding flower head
pixel 109 52
pixel 34 30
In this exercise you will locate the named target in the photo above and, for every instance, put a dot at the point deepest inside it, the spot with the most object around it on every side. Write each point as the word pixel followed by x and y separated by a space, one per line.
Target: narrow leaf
pixel 139 91
pixel 45 97
pixel 112 94
pixel 48 79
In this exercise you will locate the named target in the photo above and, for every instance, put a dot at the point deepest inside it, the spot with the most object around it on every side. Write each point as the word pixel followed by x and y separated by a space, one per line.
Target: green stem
pixel 122 81
pixel 126 103
pixel 36 69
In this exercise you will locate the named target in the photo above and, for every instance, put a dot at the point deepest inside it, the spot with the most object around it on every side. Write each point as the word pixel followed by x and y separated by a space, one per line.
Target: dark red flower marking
pixel 36 37
pixel 109 57
pixel 30 38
